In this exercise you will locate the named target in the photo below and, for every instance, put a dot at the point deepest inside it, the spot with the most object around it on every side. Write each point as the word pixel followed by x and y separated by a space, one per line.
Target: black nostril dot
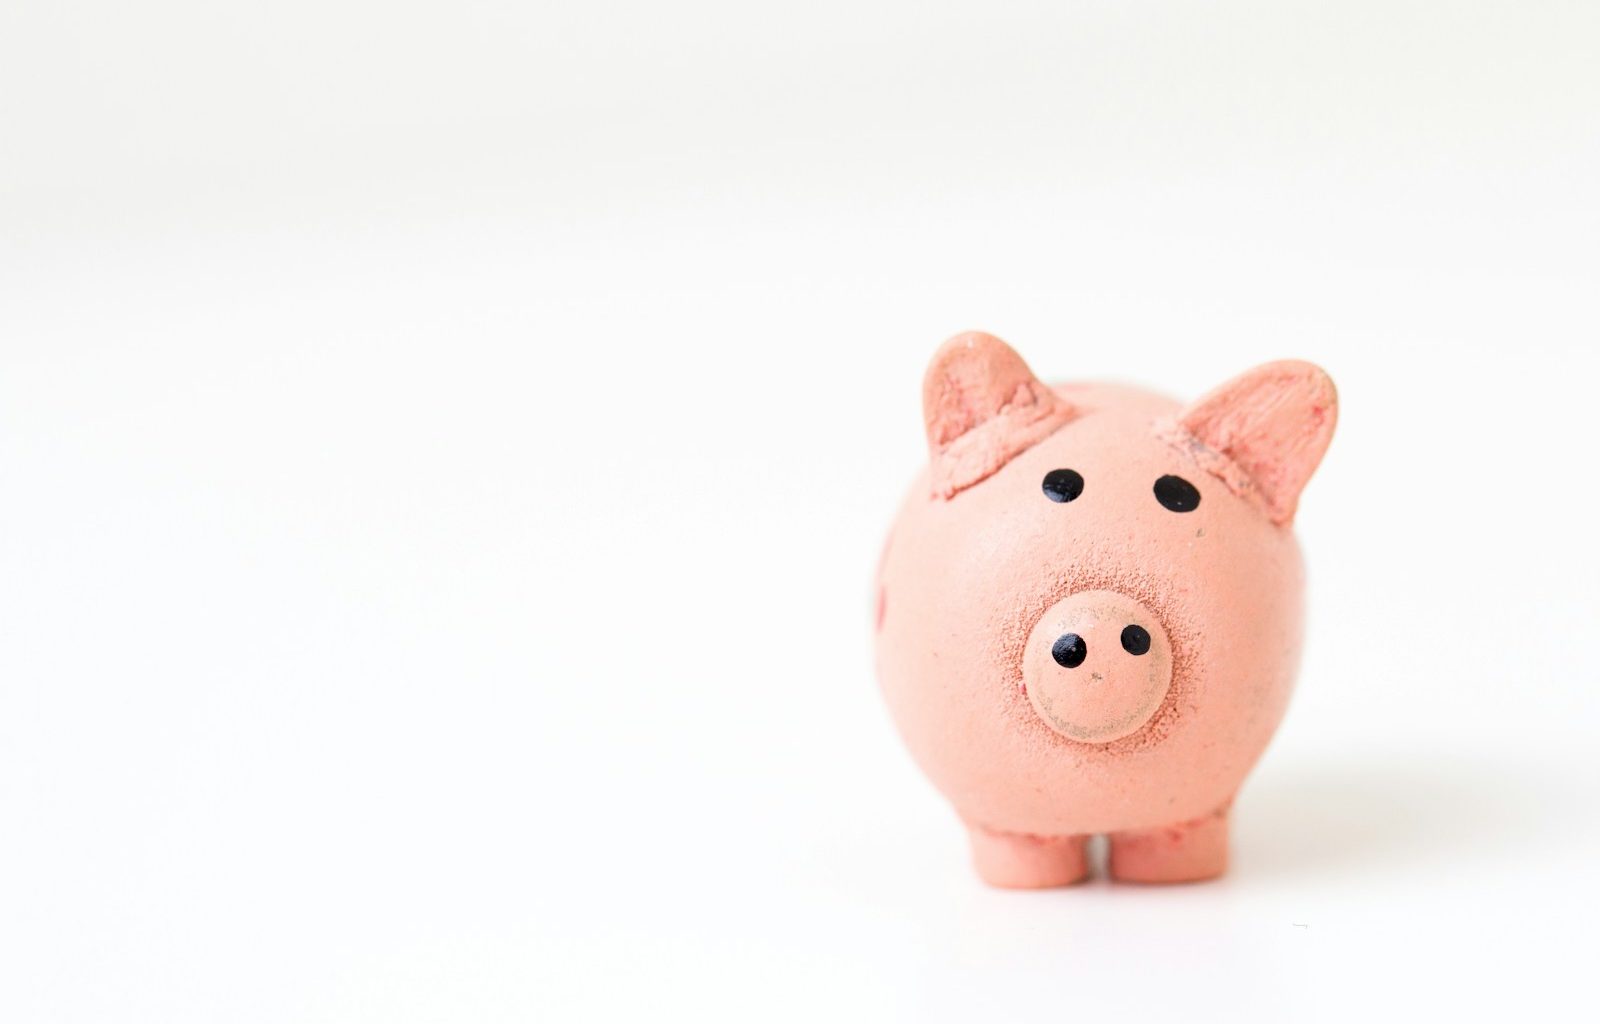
pixel 1135 640
pixel 1069 650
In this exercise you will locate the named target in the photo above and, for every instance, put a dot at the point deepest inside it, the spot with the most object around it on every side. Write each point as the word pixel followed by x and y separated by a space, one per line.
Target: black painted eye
pixel 1069 650
pixel 1062 484
pixel 1177 494
pixel 1135 640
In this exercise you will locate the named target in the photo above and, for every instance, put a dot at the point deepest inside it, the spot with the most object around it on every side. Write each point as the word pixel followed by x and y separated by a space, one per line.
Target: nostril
pixel 1069 650
pixel 1135 640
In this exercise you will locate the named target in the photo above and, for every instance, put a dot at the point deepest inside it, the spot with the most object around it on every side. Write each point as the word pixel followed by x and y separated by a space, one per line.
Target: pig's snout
pixel 1097 666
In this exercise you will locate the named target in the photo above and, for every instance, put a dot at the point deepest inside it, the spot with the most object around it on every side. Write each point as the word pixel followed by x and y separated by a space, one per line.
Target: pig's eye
pixel 1177 494
pixel 1062 484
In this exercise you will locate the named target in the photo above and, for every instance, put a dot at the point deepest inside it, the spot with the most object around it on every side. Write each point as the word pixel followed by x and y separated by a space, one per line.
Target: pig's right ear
pixel 1263 433
pixel 982 406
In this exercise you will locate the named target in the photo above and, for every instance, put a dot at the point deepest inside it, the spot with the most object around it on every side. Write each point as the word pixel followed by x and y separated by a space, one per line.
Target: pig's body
pixel 1186 626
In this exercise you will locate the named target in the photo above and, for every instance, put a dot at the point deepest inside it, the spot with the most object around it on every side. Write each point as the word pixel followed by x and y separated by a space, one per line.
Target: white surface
pixel 445 449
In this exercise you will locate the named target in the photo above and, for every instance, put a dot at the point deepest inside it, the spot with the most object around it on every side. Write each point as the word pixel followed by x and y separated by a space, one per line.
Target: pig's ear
pixel 982 406
pixel 1271 425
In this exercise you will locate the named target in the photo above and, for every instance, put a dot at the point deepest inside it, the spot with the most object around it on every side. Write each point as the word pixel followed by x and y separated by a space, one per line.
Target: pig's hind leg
pixel 1008 860
pixel 1189 851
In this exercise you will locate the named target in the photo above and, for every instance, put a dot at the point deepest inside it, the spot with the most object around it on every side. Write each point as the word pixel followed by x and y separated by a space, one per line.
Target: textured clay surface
pixel 1104 654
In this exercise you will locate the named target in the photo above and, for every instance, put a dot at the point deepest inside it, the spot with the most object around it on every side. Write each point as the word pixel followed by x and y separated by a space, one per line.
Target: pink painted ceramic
pixel 1089 608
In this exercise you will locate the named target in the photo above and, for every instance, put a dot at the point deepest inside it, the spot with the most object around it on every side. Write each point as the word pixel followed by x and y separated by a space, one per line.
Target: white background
pixel 444 449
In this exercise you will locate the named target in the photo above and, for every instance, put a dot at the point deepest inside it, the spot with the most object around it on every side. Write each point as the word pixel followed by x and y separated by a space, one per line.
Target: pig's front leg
pixel 1188 851
pixel 1008 860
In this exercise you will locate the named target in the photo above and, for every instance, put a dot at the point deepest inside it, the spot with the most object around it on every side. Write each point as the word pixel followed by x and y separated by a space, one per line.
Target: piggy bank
pixel 1088 613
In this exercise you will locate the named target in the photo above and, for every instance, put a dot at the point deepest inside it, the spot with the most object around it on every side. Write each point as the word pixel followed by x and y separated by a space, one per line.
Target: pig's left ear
pixel 982 406
pixel 1271 425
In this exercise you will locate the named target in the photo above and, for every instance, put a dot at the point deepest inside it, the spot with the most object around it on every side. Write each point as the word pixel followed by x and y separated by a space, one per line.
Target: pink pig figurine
pixel 1089 608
